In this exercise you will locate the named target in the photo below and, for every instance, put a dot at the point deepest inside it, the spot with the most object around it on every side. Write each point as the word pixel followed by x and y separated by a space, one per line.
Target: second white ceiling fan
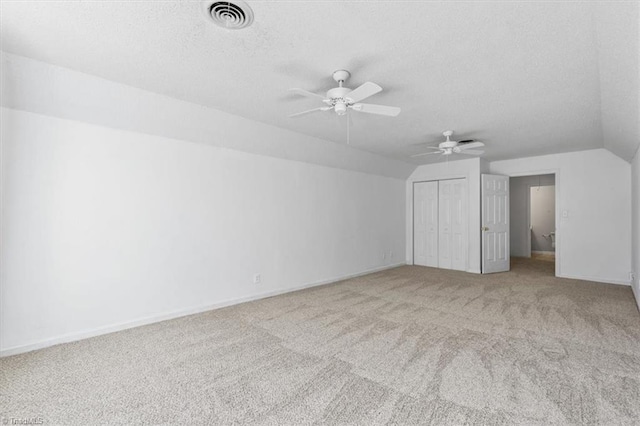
pixel 340 99
pixel 449 147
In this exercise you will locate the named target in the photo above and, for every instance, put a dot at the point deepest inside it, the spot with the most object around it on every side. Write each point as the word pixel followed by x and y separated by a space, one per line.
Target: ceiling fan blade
pixel 377 109
pixel 309 111
pixel 306 93
pixel 471 145
pixel 472 152
pixel 363 91
pixel 467 141
pixel 426 153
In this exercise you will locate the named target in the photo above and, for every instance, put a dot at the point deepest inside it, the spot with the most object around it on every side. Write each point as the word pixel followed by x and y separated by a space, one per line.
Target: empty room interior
pixel 319 212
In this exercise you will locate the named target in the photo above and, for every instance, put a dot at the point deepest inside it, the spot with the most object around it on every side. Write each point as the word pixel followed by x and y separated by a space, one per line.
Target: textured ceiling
pixel 526 78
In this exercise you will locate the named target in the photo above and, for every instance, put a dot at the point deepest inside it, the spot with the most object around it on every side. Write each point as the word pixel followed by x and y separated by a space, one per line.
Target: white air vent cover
pixel 232 15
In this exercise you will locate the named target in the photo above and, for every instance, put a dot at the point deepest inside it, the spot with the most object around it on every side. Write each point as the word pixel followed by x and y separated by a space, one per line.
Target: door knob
pixel 484 228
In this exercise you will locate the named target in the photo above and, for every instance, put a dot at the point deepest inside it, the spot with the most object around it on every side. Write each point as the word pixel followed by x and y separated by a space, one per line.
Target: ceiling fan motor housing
pixel 448 144
pixel 338 93
pixel 338 99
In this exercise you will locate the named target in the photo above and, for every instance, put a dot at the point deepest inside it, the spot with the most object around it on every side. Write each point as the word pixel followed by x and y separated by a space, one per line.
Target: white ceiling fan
pixel 340 99
pixel 449 147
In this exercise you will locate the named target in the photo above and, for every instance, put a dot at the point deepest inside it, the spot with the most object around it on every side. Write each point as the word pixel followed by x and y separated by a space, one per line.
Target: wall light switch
pixel 565 214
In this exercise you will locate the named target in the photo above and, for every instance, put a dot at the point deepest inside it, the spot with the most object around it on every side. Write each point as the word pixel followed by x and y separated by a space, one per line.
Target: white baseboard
pixel 596 279
pixel 470 270
pixel 72 337
pixel 636 293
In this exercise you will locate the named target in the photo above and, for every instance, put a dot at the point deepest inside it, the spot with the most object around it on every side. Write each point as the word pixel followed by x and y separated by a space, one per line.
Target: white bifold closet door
pixel 440 224
pixel 425 223
pixel 452 224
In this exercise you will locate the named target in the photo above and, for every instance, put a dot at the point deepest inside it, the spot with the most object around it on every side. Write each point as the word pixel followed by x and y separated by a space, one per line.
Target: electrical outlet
pixel 384 255
pixel 632 277
pixel 257 279
pixel 390 254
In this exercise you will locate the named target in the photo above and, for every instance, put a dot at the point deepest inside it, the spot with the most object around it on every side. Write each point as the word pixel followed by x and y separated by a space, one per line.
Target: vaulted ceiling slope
pixel 527 78
pixel 42 88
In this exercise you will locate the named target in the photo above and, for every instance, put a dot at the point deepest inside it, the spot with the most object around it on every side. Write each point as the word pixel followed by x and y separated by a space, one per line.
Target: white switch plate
pixel 257 279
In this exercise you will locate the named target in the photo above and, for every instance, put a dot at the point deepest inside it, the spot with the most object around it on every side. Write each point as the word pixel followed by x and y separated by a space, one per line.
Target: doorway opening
pixel 532 210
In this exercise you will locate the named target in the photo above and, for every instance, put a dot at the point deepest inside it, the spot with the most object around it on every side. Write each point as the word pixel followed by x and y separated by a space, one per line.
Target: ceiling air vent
pixel 231 15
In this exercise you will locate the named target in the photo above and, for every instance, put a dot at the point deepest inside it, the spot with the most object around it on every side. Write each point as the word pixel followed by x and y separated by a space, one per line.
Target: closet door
pixel 495 223
pixel 452 224
pixel 425 223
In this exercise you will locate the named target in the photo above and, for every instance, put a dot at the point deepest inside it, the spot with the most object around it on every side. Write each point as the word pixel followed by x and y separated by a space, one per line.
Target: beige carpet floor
pixel 544 256
pixel 411 345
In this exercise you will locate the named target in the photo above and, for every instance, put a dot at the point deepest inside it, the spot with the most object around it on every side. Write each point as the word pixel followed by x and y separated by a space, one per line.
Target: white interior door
pixel 425 223
pixel 452 224
pixel 495 223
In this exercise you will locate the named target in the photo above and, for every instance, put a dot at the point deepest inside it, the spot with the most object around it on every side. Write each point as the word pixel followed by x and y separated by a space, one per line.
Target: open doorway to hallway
pixel 533 222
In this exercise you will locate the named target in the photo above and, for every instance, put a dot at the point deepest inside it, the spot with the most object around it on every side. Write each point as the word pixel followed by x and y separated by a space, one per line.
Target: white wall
pixel 593 187
pixel 543 217
pixel 635 215
pixel 469 169
pixel 105 228
pixel 519 209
